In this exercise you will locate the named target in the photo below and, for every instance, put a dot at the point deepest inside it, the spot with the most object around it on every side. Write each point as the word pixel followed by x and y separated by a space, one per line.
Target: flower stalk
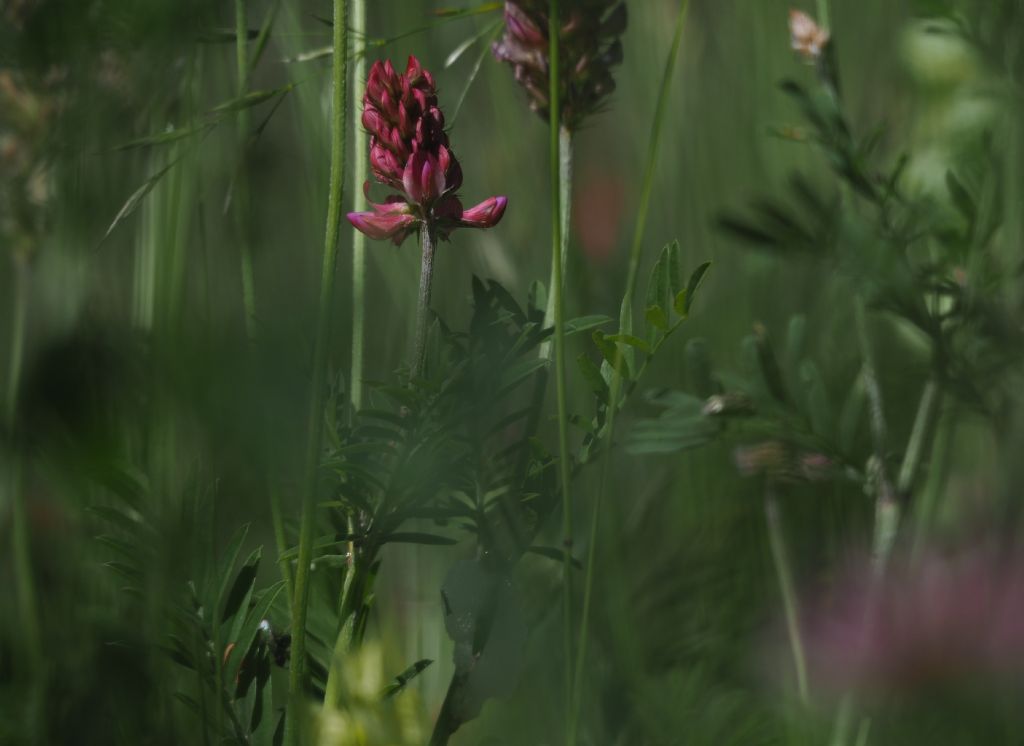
pixel 428 245
pixel 561 391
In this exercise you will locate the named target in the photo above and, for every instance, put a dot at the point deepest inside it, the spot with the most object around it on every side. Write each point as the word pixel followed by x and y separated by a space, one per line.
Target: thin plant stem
pixel 565 182
pixel 428 245
pixel 358 26
pixel 925 510
pixel 300 599
pixel 281 540
pixel 784 574
pixel 561 390
pixel 919 437
pixel 823 15
pixel 886 500
pixel 17 352
pixel 20 541
pixel 350 630
pixel 241 198
pixel 615 389
pixel 25 584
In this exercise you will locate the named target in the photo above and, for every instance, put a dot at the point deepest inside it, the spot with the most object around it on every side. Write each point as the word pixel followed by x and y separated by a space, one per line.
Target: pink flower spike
pixel 485 215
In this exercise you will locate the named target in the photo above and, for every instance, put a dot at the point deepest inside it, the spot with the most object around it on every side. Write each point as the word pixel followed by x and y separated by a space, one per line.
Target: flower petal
pixel 485 215
pixel 379 226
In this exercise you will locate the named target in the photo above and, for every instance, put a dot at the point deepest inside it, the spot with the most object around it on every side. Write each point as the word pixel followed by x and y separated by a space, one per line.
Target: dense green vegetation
pixel 685 411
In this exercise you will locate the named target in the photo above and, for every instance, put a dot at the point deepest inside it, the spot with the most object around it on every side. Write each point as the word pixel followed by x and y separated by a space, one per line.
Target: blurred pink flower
pixel 936 621
pixel 410 152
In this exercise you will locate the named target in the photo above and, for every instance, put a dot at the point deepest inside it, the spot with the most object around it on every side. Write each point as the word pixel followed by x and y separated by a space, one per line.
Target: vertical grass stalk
pixel 625 325
pixel 784 574
pixel 886 500
pixel 241 198
pixel 300 599
pixel 823 15
pixel 21 549
pixel 358 26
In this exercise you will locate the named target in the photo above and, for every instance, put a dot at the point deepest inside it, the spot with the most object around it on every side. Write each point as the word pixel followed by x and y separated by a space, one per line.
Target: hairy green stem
pixel 241 197
pixel 625 325
pixel 300 599
pixel 428 246
pixel 565 205
pixel 784 574
pixel 358 26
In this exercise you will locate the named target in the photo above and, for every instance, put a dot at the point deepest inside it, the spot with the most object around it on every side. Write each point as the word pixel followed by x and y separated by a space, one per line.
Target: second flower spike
pixel 589 48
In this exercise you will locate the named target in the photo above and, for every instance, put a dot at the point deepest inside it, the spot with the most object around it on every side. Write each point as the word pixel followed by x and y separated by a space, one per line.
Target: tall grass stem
pixel 625 325
pixel 241 196
pixel 21 549
pixel 784 574
pixel 359 137
pixel 823 15
pixel 300 600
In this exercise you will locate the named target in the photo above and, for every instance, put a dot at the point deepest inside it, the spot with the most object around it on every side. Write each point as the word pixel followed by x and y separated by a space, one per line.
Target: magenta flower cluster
pixel 410 152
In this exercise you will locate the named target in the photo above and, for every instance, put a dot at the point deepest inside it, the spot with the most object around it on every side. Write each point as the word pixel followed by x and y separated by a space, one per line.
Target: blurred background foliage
pixel 140 389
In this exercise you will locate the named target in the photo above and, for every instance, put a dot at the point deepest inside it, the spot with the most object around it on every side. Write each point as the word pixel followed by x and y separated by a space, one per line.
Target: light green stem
pixel 565 181
pixel 887 509
pixel 300 600
pixel 784 573
pixel 358 26
pixel 823 15
pixel 615 389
